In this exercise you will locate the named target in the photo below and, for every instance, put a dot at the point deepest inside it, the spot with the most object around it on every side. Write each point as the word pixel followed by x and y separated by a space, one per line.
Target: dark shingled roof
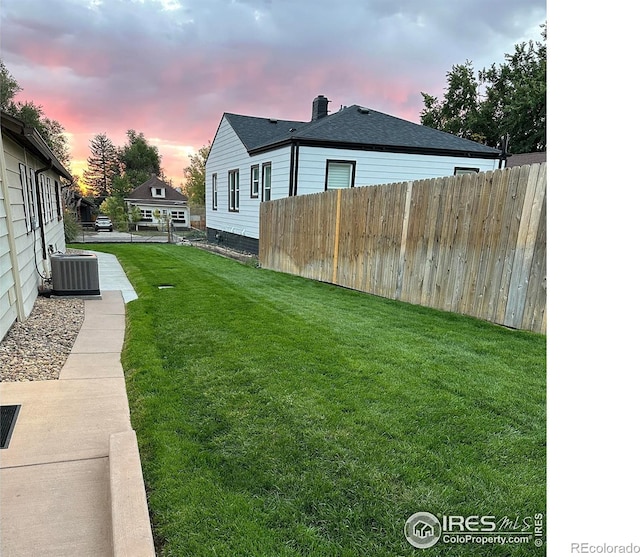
pixel 256 132
pixel 143 191
pixel 355 127
pixel 527 158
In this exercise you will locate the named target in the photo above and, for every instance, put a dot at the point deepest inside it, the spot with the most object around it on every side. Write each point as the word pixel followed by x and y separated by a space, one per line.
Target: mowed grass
pixel 278 416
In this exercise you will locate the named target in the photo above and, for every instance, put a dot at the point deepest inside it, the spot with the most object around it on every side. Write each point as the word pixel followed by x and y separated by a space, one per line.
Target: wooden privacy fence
pixel 473 244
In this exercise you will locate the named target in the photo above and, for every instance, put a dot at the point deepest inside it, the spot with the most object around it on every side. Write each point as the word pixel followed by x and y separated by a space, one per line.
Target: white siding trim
pixel 229 153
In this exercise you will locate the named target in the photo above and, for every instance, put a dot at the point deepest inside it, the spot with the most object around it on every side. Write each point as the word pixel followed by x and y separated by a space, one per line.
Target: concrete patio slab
pixel 104 321
pixel 38 519
pixel 93 341
pixel 64 420
pixel 87 366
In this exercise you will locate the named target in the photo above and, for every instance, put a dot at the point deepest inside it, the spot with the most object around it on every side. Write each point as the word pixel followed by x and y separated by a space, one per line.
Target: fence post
pixel 336 239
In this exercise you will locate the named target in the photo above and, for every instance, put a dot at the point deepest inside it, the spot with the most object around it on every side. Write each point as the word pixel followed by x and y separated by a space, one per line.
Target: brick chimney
pixel 320 107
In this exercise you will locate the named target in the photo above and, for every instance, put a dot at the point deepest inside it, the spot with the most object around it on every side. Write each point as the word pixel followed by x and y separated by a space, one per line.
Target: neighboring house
pixel 82 208
pixel 526 158
pixel 31 217
pixel 258 159
pixel 158 202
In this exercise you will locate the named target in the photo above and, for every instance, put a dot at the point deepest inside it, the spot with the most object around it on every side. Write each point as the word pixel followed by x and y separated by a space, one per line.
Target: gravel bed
pixel 36 349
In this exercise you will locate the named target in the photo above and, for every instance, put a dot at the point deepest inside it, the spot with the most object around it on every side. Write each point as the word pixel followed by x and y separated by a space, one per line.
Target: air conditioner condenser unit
pixel 75 274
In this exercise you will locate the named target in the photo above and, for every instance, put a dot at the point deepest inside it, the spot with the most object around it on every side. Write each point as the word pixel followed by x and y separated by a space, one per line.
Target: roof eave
pixel 403 149
pixel 30 137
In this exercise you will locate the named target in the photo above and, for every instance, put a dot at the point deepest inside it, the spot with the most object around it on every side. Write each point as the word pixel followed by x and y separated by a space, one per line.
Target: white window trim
pixel 255 180
pixel 33 187
pixel 270 173
pixel 25 196
pixel 234 190
pixel 214 191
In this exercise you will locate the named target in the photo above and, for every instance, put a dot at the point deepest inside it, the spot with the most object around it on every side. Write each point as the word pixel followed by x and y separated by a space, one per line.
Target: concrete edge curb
pixel 131 527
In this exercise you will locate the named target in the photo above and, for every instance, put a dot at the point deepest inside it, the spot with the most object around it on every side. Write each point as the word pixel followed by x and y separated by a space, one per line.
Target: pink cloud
pixel 171 75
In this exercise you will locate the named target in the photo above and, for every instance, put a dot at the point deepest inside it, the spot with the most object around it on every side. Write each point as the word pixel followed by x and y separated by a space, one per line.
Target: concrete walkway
pixel 70 481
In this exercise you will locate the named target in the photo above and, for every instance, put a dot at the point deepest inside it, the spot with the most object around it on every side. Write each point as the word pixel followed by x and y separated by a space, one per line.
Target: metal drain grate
pixel 8 418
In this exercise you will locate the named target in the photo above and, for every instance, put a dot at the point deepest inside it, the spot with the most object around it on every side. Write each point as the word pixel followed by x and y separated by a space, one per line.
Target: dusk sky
pixel 171 68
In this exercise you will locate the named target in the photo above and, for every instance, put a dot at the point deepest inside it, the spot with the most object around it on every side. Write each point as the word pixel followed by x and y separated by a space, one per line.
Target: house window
pixel 465 170
pixel 340 174
pixel 178 217
pixel 49 201
pixel 234 190
pixel 26 197
pixel 59 208
pixel 33 199
pixel 157 192
pixel 43 198
pixel 146 215
pixel 214 192
pixel 255 180
pixel 266 181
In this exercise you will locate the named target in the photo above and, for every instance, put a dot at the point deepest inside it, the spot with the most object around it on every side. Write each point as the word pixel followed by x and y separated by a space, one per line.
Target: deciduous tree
pixel 9 88
pixel 509 98
pixel 195 175
pixel 139 159
pixel 457 113
pixel 33 115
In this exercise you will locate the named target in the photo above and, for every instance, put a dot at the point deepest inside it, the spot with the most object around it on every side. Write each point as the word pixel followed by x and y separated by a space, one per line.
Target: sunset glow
pixel 170 68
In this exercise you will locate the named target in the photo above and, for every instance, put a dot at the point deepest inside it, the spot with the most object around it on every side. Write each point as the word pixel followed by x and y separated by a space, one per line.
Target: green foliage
pixel 102 166
pixel 135 214
pixel 121 186
pixel 195 175
pixel 139 159
pixel 33 115
pixel 516 96
pixel 121 214
pixel 513 101
pixel 50 130
pixel 457 113
pixel 114 207
pixel 71 227
pixel 281 416
pixel 9 88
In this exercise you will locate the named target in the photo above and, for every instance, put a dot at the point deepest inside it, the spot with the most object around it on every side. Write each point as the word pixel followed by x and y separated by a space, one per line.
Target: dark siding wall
pixel 232 241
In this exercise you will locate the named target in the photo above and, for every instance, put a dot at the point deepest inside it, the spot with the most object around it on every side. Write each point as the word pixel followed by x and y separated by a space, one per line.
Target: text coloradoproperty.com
pixel 604 548
pixel 471 538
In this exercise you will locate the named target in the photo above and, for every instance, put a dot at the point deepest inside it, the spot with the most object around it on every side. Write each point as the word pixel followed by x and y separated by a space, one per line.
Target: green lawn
pixel 278 416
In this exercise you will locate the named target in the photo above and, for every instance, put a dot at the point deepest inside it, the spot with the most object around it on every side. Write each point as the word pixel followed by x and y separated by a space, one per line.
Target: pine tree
pixel 102 166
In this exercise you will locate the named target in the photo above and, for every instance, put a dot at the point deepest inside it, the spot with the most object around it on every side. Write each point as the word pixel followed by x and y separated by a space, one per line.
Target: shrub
pixel 71 227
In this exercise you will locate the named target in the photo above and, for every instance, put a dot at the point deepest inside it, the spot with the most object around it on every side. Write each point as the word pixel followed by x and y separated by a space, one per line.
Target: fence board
pixel 435 218
pixel 474 244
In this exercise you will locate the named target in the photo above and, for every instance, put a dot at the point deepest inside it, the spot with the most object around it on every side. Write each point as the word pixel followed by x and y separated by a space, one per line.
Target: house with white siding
pixel 159 203
pixel 256 159
pixel 31 217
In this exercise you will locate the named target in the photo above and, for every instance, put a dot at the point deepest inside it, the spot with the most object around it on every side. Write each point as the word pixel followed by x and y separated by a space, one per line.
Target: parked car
pixel 103 223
